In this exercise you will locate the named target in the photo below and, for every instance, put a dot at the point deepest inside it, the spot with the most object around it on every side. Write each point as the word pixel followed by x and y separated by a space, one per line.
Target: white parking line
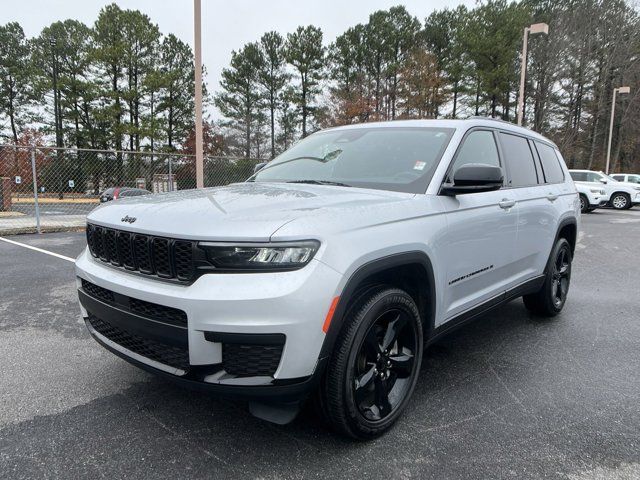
pixel 68 259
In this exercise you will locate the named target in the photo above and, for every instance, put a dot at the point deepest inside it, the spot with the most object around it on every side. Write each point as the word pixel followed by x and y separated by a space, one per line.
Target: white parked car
pixel 626 177
pixel 620 195
pixel 333 266
pixel 591 197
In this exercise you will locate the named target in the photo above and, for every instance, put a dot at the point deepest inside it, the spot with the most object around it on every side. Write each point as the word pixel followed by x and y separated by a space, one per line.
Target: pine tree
pixel 240 99
pixel 273 77
pixel 306 53
pixel 16 91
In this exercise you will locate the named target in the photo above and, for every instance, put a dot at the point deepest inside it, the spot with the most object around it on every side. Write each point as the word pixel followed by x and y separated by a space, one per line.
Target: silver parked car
pixel 329 271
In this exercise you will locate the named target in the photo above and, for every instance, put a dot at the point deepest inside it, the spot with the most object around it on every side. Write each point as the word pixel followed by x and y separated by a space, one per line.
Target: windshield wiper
pixel 320 182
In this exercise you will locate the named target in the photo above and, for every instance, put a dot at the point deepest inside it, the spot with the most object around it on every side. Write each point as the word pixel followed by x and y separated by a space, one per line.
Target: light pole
pixel 197 22
pixel 532 29
pixel 621 91
pixel 56 105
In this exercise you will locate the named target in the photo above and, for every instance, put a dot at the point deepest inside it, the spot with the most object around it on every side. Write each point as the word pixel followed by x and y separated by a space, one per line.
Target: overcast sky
pixel 226 25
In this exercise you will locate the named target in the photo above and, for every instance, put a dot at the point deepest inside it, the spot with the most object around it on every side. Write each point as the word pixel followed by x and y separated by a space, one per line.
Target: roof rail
pixel 480 117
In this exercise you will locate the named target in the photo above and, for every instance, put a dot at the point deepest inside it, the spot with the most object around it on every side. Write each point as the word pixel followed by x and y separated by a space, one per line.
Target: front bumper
pixel 219 307
pixel 598 200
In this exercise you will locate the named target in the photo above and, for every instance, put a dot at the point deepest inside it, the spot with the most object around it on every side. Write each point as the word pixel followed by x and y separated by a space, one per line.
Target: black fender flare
pixel 563 223
pixel 371 268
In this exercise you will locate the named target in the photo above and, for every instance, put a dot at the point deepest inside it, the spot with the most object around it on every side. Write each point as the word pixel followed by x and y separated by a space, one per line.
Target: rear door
pixel 537 215
pixel 479 244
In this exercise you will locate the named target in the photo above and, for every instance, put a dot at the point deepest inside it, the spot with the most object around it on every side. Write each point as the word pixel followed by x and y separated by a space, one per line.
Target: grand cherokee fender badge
pixel 128 219
pixel 468 275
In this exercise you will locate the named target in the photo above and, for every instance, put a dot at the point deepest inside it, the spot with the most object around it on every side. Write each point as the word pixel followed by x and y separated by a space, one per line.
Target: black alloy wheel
pixel 550 299
pixel 561 276
pixel 384 365
pixel 374 364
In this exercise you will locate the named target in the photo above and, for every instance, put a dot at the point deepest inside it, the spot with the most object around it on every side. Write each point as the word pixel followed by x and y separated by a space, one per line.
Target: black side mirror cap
pixel 474 178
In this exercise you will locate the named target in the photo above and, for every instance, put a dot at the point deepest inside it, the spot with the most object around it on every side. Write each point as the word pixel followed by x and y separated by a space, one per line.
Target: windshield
pixel 607 177
pixel 393 158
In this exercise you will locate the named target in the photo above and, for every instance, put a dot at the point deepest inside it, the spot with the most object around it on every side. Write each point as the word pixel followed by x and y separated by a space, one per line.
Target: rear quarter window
pixel 550 163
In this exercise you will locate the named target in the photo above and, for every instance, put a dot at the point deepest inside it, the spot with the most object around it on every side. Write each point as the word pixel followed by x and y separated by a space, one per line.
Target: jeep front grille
pixel 158 256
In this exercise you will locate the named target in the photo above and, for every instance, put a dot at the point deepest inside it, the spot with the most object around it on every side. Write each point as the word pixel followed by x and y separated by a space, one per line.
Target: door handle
pixel 552 197
pixel 506 203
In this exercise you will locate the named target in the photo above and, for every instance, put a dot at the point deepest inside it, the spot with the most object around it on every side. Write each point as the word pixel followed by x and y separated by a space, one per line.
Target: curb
pixel 29 230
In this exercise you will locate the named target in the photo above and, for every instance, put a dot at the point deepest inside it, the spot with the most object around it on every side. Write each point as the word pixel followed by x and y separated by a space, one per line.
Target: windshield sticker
pixel 419 165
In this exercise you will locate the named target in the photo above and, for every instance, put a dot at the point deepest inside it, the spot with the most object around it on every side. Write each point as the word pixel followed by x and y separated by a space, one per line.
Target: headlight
pixel 260 257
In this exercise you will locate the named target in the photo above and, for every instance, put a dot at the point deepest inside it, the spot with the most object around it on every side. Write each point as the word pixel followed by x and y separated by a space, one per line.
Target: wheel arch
pixel 388 270
pixel 620 192
pixel 568 228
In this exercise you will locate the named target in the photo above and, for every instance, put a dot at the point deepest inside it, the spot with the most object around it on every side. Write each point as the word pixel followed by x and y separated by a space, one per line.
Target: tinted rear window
pixel 519 159
pixel 550 163
pixel 578 176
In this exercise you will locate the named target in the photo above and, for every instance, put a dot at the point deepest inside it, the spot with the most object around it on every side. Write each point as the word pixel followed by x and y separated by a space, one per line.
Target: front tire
pixel 550 299
pixel 621 201
pixel 374 365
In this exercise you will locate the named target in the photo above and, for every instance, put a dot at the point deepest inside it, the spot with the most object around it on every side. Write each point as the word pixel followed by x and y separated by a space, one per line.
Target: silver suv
pixel 329 271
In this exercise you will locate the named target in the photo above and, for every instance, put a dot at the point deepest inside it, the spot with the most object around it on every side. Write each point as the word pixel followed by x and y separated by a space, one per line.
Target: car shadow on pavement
pixel 483 398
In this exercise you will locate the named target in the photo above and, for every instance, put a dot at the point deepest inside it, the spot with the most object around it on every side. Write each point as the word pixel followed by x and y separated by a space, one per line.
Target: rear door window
pixel 519 160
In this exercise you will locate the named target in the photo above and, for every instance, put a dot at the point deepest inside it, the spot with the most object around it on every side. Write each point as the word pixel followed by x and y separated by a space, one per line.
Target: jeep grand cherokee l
pixel 329 271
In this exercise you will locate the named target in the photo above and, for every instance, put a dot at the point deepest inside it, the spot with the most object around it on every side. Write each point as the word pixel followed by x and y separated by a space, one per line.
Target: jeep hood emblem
pixel 128 219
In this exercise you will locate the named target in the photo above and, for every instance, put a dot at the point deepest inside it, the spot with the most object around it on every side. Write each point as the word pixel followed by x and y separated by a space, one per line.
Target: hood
pixel 633 186
pixel 244 211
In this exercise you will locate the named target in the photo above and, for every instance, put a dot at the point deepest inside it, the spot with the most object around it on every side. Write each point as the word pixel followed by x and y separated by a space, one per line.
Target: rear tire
pixel 374 365
pixel 550 299
pixel 621 201
pixel 584 203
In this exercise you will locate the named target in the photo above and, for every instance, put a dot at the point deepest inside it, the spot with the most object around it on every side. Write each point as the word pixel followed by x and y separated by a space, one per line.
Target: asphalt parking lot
pixel 508 396
pixel 60 208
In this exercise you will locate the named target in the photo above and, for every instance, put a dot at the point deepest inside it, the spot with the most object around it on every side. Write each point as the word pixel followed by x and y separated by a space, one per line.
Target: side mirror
pixel 259 166
pixel 474 178
pixel 602 180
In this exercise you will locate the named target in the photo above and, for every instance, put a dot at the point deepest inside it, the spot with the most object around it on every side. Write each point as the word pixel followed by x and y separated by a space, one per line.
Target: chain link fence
pixel 48 188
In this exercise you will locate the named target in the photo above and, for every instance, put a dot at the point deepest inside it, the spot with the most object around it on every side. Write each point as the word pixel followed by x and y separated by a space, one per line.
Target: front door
pixel 481 232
